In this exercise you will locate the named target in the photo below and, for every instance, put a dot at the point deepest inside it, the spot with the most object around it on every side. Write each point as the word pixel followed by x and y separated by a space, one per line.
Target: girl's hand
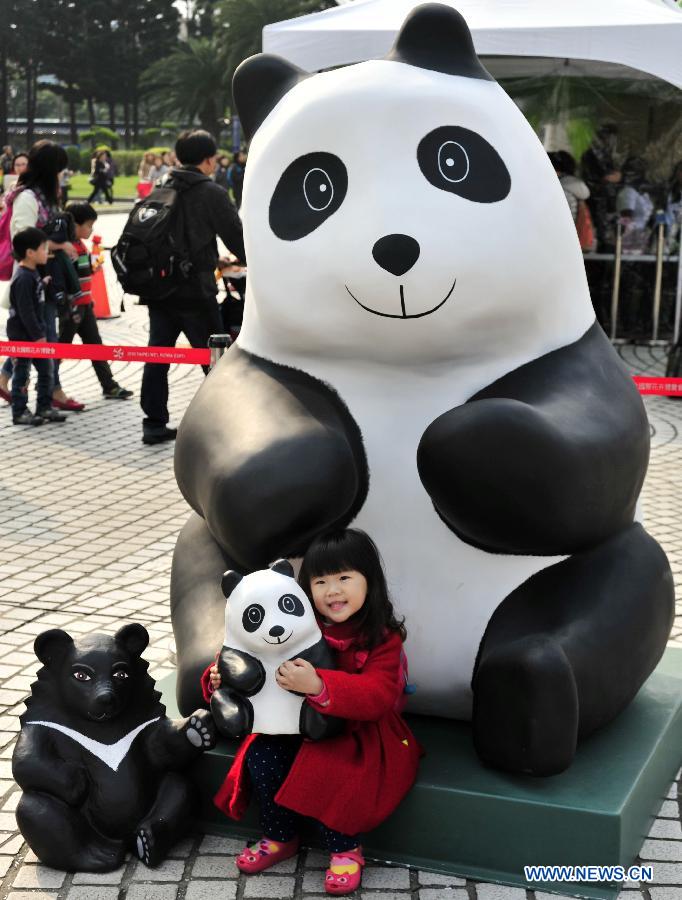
pixel 214 677
pixel 300 676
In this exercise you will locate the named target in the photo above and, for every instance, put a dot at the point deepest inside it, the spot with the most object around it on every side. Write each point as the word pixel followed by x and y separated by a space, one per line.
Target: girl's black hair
pixel 45 161
pixel 354 550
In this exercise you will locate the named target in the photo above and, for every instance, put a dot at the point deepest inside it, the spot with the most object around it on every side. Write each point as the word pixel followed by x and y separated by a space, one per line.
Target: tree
pixel 241 23
pixel 190 82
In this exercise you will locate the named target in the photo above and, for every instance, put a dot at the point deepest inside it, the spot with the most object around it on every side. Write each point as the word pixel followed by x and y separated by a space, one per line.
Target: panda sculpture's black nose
pixel 276 631
pixel 396 253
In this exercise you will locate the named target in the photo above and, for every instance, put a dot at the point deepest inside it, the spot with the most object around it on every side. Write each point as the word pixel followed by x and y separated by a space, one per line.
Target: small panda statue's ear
pixel 284 567
pixel 133 637
pixel 230 581
pixel 258 85
pixel 437 37
pixel 51 645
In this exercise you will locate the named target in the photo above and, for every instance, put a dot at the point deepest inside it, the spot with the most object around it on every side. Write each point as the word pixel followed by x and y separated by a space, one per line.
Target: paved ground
pixel 86 536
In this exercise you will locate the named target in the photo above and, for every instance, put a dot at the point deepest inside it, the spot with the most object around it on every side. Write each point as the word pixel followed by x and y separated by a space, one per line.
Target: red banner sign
pixel 107 351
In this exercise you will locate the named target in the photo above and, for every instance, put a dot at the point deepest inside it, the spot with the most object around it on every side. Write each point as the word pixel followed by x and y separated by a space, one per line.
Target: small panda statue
pixel 431 371
pixel 268 620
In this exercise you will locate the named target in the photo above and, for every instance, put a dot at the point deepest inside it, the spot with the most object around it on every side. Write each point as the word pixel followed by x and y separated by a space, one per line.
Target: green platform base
pixel 597 813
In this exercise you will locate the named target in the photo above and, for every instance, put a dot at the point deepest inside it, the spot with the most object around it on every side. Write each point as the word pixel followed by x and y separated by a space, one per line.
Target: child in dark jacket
pixel 348 784
pixel 26 322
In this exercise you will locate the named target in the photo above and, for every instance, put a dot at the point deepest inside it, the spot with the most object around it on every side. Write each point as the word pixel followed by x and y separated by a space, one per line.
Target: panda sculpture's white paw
pixel 201 732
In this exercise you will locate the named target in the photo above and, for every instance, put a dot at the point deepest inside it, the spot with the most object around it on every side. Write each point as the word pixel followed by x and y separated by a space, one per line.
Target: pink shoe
pixel 264 854
pixel 345 872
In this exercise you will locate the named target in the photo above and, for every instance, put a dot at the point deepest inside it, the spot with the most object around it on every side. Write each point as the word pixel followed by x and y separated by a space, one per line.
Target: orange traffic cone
pixel 98 283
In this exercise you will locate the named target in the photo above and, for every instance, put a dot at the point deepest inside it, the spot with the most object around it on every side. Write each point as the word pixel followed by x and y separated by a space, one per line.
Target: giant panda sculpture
pixel 420 357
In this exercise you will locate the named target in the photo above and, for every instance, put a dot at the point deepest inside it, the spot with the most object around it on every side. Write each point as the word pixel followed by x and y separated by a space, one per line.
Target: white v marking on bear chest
pixel 111 755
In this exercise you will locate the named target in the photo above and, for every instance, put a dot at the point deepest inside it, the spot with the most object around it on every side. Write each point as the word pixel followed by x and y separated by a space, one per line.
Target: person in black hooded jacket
pixel 193 308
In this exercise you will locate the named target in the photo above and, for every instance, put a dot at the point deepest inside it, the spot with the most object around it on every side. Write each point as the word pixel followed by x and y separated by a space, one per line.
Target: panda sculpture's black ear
pixel 51 645
pixel 258 85
pixel 230 581
pixel 133 637
pixel 437 37
pixel 284 567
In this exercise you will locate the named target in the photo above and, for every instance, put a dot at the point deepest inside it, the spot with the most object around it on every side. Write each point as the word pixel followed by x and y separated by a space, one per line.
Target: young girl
pixel 347 784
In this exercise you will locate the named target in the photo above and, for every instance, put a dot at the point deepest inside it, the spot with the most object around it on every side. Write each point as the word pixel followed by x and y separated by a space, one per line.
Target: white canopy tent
pixel 645 35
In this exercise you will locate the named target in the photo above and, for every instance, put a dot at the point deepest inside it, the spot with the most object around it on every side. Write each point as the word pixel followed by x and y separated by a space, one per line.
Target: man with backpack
pixel 168 254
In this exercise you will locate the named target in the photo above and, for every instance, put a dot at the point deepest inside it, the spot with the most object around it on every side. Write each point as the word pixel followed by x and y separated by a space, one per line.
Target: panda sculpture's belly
pixel 446 589
pixel 276 711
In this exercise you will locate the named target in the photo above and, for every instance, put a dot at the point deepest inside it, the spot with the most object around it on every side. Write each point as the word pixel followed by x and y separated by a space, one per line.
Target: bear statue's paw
pixel 526 710
pixel 145 847
pixel 201 732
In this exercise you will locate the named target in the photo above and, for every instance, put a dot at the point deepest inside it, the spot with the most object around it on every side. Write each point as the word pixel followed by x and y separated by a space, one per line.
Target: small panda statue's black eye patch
pixel 291 605
pixel 310 190
pixel 462 162
pixel 253 616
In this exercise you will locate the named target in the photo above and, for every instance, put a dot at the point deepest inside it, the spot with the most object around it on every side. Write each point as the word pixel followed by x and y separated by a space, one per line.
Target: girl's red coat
pixel 354 781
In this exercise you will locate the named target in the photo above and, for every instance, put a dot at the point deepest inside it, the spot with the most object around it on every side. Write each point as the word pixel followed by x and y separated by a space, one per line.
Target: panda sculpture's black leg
pixel 61 837
pixel 568 650
pixel 166 822
pixel 232 714
pixel 197 608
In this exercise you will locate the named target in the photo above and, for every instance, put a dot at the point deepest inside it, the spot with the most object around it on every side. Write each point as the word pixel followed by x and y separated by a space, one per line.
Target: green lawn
pixel 124 187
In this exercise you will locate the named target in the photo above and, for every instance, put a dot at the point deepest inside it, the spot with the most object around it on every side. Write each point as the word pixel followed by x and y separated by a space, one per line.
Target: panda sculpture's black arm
pixel 314 724
pixel 270 457
pixel 549 459
pixel 241 676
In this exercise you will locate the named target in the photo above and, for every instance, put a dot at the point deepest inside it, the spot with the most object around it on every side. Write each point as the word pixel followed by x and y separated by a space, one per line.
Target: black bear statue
pixel 99 762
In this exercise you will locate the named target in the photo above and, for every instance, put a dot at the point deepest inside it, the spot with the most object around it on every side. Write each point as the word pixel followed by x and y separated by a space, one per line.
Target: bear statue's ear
pixel 258 85
pixel 133 637
pixel 437 37
pixel 284 567
pixel 230 581
pixel 52 645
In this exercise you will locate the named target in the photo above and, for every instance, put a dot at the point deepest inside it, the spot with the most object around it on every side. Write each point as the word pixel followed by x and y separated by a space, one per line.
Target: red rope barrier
pixel 120 353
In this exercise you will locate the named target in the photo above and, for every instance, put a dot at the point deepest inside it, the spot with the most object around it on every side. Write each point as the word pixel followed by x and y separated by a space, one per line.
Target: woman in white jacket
pixel 575 188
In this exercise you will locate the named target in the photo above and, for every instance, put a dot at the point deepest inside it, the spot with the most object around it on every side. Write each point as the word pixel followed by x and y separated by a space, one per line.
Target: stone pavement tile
pixel 667 828
pixel 669 810
pixel 428 878
pixel 213 843
pixel 30 876
pixel 8 822
pixel 667 873
pixel 211 890
pixel 499 892
pixel 13 845
pixel 665 893
pixel 182 849
pixel 31 895
pixel 385 877
pixel 212 866
pixel 442 893
pixel 99 877
pixel 151 892
pixel 316 860
pixel 5 863
pixel 663 850
pixel 169 870
pixel 90 893
pixel 270 886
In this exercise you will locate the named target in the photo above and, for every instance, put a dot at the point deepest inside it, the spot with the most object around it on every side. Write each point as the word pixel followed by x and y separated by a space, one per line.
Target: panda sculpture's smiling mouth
pixel 403 307
pixel 279 640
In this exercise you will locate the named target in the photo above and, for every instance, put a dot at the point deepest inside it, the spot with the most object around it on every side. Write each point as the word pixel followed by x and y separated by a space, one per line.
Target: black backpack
pixel 151 257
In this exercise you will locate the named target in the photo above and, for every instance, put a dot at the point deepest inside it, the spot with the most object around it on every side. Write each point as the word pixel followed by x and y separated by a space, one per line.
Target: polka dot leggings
pixel 269 759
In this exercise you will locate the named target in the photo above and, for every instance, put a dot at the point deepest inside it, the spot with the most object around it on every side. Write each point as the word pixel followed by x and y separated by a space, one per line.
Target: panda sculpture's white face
pixel 400 214
pixel 268 614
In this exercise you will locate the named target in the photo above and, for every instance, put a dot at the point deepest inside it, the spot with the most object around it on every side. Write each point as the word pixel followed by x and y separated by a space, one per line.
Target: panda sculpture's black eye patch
pixel 291 605
pixel 462 162
pixel 252 617
pixel 310 190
